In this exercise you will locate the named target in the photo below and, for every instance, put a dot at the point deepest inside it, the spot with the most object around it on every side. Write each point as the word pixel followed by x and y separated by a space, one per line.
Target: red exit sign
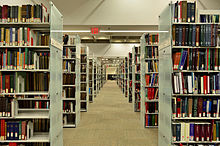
pixel 94 30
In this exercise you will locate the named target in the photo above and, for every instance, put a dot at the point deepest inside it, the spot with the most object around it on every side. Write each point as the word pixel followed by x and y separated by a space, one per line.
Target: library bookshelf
pixel 189 101
pixel 31 77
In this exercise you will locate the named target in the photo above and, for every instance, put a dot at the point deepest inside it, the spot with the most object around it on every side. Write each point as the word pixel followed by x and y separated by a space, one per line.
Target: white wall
pixel 118 12
pixel 110 50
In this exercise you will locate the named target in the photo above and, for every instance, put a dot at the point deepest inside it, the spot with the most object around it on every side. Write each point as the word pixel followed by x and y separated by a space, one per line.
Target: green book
pixel 12 83
pixel 209 59
pixel 195 103
pixel 217 130
pixel 153 120
pixel 3 83
pixel 20 133
pixel 8 59
pixel 180 58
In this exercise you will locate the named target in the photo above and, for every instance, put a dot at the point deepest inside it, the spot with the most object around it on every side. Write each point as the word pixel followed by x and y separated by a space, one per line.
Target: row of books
pixel 206 18
pixel 151 93
pixel 151 52
pixel 69 106
pixel 22 130
pixel 29 104
pixel 83 50
pixel 137 59
pixel 83 78
pixel 6 105
pixel 69 40
pixel 69 66
pixel 197 59
pixel 83 68
pixel 151 107
pixel 195 107
pixel 69 52
pixel 151 120
pixel 193 83
pixel 137 50
pixel 152 79
pixel 69 92
pixel 21 60
pixel 26 144
pixel 195 35
pixel 151 66
pixel 152 39
pixel 196 131
pixel 83 59
pixel 69 79
pixel 40 97
pixel 22 36
pixel 184 11
pixel 69 119
pixel 24 82
pixel 25 13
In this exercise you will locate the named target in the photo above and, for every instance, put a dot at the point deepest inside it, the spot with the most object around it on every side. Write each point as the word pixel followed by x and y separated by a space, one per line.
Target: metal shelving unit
pixel 84 78
pixel 149 104
pixel 129 77
pixel 71 119
pixel 167 118
pixel 94 77
pixel 126 76
pixel 91 80
pixel 136 95
pixel 54 113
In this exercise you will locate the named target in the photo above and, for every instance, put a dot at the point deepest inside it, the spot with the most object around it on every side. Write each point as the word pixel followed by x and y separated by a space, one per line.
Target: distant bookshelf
pixel 84 78
pixel 149 79
pixel 126 76
pixel 91 80
pixel 130 77
pixel 136 78
pixel 189 76
pixel 30 104
pixel 71 77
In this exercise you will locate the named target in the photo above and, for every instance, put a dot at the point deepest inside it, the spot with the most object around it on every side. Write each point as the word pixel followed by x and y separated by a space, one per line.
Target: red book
pixel 3 130
pixel 13 144
pixel 23 130
pixel 28 36
pixel 202 133
pixel 178 107
pixel 207 132
pixel 196 132
pixel 147 79
pixel 180 6
pixel 211 132
pixel 40 105
pixel 152 93
pixel 205 84
pixel 146 118
pixel 200 106
pixel 7 83
pixel 148 93
pixel 146 107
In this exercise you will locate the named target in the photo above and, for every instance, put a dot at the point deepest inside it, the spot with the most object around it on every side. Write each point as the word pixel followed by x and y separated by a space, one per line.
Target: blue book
pixel 191 133
pixel 11 36
pixel 16 131
pixel 8 131
pixel 193 35
pixel 204 108
pixel 183 60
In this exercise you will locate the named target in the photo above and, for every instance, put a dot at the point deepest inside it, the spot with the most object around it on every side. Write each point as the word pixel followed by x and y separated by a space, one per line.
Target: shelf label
pixel 56 44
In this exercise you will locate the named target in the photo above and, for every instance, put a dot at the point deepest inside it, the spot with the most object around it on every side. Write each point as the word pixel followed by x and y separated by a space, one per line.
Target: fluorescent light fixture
pixel 131 31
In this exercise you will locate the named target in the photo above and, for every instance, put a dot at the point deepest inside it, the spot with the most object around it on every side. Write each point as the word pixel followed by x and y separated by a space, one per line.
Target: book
pixel 36 13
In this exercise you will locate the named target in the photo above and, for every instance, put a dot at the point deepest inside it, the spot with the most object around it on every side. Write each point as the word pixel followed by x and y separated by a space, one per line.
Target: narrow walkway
pixel 110 121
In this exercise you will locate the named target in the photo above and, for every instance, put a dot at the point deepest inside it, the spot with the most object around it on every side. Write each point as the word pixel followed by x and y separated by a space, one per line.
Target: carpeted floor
pixel 110 121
